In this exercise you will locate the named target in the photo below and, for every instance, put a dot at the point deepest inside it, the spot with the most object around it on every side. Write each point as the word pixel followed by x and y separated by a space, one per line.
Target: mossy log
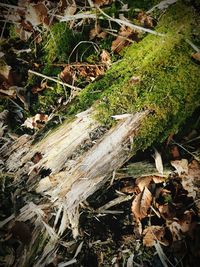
pixel 157 84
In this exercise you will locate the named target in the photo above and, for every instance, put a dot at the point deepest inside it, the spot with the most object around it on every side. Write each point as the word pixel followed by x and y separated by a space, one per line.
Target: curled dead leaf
pixel 36 14
pixel 36 122
pixel 126 34
pixel 158 161
pixel 145 181
pixel 175 152
pixel 145 20
pixel 8 93
pixel 134 80
pixel 94 31
pixel 141 204
pixel 175 230
pixel 5 72
pixel 196 56
pixel 153 234
pixel 102 2
pixel 105 58
pixel 187 224
pixel 181 166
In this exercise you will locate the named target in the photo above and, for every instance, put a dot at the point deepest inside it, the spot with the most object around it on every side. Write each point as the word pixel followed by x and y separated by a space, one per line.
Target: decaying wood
pixel 71 180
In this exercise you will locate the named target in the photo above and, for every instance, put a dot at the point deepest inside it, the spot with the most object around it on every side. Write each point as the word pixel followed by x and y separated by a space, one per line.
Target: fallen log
pixel 157 86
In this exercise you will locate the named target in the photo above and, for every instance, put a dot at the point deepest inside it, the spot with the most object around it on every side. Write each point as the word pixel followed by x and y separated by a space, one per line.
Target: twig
pixel 192 154
pixel 12 6
pixel 129 24
pixel 162 5
pixel 83 42
pixel 119 21
pixel 122 37
pixel 54 80
pixel 113 202
pixel 77 16
pixel 192 45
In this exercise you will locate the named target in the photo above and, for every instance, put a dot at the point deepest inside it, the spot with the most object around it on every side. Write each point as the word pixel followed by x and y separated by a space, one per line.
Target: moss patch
pixel 169 83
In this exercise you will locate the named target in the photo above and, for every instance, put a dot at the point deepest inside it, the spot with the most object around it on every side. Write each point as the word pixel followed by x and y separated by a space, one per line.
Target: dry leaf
pixel 36 122
pixel 102 2
pixel 186 222
pixel 141 204
pixel 181 166
pixel 134 80
pixel 36 13
pixel 175 230
pixel 71 9
pixel 196 56
pixel 23 34
pixel 175 152
pixel 94 31
pixel 143 182
pixel 37 89
pixel 5 72
pixel 153 234
pixel 145 20
pixel 158 161
pixel 9 93
pixel 105 58
pixel 121 41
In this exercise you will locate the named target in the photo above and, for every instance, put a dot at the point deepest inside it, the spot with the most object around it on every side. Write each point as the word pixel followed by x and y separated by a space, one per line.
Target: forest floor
pixel 148 213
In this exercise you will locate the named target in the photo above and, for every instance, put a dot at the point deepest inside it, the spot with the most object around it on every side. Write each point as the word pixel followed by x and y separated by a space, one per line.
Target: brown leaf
pixel 134 80
pixel 5 72
pixel 181 166
pixel 70 10
pixel 37 89
pixel 175 152
pixel 102 2
pixel 175 230
pixel 9 93
pixel 153 234
pixel 187 224
pixel 36 13
pixel 189 174
pixel 142 182
pixel 105 58
pixel 196 56
pixel 23 34
pixel 36 122
pixel 121 41
pixel 141 204
pixel 145 20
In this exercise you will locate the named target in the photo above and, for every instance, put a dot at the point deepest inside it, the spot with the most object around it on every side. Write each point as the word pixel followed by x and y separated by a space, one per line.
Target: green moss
pixel 60 42
pixel 169 80
pixel 47 100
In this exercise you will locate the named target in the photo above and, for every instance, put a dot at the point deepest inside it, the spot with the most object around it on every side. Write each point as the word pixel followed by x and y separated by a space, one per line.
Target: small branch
pixel 113 202
pixel 77 16
pixel 54 80
pixel 119 21
pixel 118 35
pixel 192 45
pixel 129 24
pixel 12 6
